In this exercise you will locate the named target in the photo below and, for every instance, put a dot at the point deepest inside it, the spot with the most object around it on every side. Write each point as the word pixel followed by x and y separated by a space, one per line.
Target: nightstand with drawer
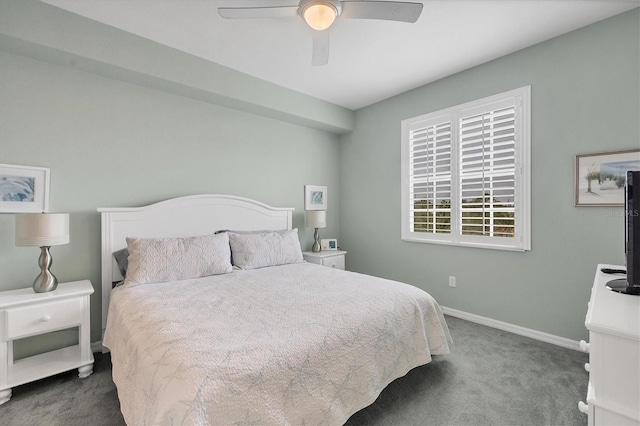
pixel 24 313
pixel 330 258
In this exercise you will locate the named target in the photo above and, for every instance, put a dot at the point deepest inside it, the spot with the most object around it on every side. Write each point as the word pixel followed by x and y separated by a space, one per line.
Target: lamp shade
pixel 42 229
pixel 316 218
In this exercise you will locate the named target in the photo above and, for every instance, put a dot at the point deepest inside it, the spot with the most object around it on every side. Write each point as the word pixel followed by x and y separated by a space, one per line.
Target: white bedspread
pixel 293 344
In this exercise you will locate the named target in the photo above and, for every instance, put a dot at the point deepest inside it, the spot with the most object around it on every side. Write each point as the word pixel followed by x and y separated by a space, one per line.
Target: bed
pixel 280 341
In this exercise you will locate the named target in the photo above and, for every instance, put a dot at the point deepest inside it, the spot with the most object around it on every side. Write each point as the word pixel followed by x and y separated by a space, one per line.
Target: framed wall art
pixel 24 189
pixel 599 178
pixel 315 197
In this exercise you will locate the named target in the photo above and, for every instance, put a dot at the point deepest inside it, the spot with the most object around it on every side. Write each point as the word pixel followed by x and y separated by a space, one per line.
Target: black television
pixel 630 284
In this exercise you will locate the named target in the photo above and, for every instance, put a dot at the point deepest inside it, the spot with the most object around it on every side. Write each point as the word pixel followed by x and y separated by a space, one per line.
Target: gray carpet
pixel 490 378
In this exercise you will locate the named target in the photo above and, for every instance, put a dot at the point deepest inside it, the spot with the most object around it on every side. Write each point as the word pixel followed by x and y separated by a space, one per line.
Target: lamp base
pixel 316 243
pixel 45 281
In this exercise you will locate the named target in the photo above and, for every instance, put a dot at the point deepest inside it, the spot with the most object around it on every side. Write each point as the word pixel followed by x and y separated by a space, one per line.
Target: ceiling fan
pixel 320 15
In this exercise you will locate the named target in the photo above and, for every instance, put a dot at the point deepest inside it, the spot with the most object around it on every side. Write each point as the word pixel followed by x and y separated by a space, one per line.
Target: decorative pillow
pixel 268 248
pixel 172 259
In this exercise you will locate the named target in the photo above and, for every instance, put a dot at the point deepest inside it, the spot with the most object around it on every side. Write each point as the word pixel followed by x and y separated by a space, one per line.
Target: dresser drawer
pixel 43 317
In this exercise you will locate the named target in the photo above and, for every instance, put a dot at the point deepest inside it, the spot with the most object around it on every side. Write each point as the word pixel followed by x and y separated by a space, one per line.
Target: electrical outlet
pixel 452 281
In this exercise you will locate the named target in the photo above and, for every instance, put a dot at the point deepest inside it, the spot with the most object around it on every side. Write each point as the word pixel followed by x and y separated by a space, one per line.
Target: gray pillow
pixel 122 260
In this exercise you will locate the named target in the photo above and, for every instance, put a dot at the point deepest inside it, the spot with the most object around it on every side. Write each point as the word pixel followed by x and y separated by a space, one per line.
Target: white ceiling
pixel 368 60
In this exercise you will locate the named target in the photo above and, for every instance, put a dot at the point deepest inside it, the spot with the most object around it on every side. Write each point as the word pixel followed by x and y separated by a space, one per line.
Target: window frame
pixel 521 241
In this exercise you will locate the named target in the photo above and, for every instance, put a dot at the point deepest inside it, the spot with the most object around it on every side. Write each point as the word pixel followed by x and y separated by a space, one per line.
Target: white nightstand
pixel 331 258
pixel 24 313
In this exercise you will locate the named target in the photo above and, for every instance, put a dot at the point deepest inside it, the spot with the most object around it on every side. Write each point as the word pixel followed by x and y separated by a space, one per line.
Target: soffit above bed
pixel 46 33
pixel 369 60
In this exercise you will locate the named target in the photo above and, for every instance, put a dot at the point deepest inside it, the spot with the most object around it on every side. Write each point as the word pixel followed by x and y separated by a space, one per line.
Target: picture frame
pixel 328 244
pixel 600 177
pixel 24 189
pixel 315 197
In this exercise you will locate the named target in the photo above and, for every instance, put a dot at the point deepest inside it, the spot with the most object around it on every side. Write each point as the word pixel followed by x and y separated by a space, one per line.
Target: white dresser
pixel 613 321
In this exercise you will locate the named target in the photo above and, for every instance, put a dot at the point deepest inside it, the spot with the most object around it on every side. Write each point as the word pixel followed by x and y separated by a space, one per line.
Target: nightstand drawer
pixel 41 318
pixel 329 258
pixel 334 262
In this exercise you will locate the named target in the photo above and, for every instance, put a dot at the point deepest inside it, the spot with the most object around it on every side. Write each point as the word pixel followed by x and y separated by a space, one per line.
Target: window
pixel 466 174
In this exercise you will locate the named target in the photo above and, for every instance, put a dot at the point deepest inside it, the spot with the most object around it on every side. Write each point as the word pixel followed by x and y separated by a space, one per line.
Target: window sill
pixel 467 244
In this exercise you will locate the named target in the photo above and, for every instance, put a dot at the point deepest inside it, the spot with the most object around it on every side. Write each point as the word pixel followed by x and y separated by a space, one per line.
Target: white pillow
pixel 172 259
pixel 268 248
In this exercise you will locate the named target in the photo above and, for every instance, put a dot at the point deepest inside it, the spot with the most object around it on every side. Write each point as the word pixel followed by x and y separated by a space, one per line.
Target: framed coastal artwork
pixel 24 189
pixel 315 197
pixel 600 178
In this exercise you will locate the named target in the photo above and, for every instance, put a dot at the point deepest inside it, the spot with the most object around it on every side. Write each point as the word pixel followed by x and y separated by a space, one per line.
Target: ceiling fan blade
pixel 387 10
pixel 257 12
pixel 320 54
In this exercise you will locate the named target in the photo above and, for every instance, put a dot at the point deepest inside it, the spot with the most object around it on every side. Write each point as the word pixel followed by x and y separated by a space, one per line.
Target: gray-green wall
pixel 585 99
pixel 110 142
pixel 122 125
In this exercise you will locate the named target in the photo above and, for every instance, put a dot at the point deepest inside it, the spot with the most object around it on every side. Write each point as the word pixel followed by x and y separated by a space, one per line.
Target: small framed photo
pixel 24 189
pixel 600 178
pixel 315 197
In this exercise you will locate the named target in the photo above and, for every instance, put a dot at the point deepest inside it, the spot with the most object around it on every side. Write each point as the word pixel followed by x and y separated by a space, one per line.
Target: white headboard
pixel 180 217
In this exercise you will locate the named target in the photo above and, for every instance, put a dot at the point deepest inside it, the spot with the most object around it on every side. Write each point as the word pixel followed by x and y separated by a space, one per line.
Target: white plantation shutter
pixel 487 173
pixel 466 174
pixel 430 178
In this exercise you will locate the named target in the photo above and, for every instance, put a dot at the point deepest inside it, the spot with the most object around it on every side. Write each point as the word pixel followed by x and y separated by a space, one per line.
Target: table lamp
pixel 316 219
pixel 43 230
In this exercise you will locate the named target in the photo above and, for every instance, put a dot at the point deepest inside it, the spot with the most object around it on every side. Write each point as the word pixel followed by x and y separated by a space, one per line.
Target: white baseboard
pixel 515 329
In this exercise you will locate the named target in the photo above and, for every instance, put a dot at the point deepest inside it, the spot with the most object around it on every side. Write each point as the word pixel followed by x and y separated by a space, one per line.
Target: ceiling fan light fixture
pixel 319 15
